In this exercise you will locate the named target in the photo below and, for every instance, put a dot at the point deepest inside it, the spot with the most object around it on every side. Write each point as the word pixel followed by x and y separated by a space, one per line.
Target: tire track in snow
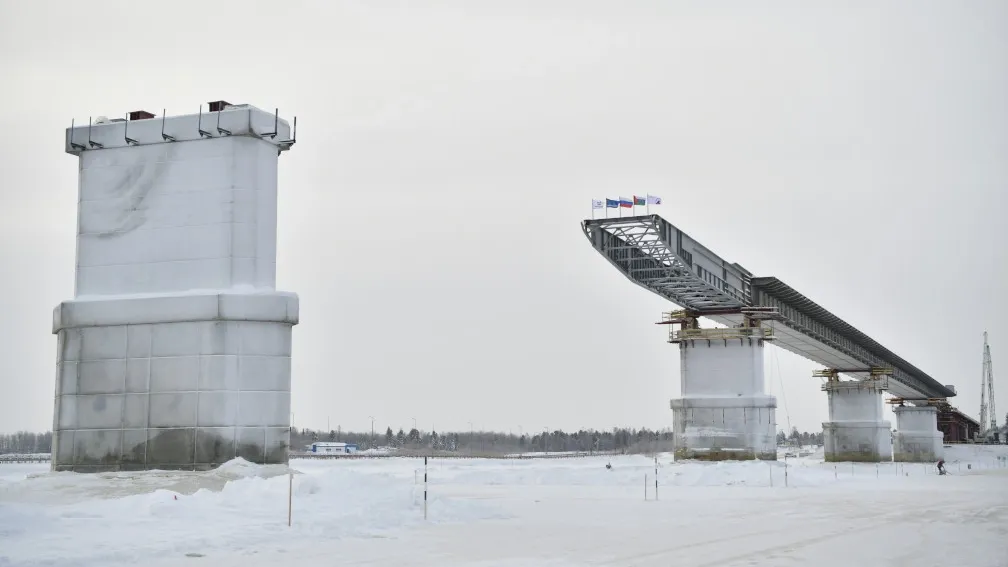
pixel 765 552
pixel 678 548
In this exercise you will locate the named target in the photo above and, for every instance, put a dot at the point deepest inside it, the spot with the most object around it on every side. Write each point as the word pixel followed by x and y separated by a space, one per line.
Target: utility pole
pixel 372 430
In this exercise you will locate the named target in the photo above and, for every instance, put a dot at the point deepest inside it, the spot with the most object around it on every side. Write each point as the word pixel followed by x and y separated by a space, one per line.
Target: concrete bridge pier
pixel 175 351
pixel 724 412
pixel 917 438
pixel 855 430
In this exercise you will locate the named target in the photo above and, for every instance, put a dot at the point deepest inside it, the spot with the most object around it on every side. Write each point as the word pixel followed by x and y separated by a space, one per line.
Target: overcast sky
pixel 448 150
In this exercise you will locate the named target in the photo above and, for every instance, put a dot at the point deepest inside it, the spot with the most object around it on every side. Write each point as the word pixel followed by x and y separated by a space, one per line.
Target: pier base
pixel 724 413
pixel 917 438
pixel 856 430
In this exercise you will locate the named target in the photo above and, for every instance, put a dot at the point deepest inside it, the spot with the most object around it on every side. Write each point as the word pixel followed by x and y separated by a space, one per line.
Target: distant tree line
pixel 626 440
pixel 25 442
pixel 482 442
pixel 801 439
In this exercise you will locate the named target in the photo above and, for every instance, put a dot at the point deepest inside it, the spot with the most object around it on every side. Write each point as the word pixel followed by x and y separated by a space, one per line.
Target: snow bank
pixel 102 519
pixel 241 508
pixel 978 454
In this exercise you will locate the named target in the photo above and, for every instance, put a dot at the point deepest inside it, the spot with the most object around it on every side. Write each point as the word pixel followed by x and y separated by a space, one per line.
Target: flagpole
pixel 647 200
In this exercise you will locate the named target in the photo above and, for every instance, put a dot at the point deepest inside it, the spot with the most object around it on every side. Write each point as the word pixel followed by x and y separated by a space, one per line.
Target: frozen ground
pixel 482 513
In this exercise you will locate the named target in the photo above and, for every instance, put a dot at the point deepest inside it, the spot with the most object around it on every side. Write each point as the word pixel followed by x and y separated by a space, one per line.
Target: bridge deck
pixel 659 257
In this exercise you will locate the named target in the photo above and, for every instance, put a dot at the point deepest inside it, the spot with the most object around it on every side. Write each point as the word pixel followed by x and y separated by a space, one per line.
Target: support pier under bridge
pixel 724 412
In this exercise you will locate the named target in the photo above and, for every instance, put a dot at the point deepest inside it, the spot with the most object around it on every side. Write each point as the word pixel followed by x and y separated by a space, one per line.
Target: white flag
pixel 596 204
pixel 653 200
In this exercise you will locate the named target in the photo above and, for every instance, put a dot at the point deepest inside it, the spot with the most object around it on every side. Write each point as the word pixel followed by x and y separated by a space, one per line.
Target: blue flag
pixel 611 203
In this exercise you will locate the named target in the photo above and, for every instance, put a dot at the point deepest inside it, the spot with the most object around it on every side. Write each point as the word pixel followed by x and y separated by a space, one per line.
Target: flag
pixel 596 204
pixel 639 201
pixel 653 200
pixel 624 202
pixel 611 203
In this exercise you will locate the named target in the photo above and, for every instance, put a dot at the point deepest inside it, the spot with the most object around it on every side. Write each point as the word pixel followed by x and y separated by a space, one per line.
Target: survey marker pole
pixel 656 477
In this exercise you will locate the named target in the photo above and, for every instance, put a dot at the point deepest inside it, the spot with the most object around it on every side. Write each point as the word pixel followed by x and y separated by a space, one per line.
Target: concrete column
pixel 856 430
pixel 175 351
pixel 917 438
pixel 724 412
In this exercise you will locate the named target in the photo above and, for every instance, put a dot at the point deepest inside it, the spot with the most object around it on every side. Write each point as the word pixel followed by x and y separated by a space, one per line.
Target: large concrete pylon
pixel 856 430
pixel 724 412
pixel 917 438
pixel 175 351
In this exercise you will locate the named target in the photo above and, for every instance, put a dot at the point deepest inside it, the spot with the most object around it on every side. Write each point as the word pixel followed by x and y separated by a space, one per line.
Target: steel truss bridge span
pixel 654 254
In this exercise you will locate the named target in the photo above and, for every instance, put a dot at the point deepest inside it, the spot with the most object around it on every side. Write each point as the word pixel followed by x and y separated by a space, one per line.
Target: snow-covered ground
pixel 504 513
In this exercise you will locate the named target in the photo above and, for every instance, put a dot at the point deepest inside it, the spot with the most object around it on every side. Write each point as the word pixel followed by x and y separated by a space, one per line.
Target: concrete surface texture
pixel 724 412
pixel 917 438
pixel 175 351
pixel 856 430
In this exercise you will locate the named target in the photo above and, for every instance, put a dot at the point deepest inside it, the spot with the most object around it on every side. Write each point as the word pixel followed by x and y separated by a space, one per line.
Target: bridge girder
pixel 662 259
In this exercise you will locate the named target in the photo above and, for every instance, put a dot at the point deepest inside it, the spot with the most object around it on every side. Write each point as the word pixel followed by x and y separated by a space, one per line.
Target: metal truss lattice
pixel 641 249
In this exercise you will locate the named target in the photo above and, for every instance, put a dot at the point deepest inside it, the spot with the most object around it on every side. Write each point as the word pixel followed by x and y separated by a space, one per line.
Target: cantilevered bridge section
pixel 659 257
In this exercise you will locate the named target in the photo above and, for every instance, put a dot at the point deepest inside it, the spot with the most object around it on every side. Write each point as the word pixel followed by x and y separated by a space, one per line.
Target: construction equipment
pixel 987 411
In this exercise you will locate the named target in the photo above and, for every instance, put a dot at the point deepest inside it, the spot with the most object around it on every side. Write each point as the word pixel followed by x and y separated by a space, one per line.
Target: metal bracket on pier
pixel 750 329
pixel 936 402
pixel 878 377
